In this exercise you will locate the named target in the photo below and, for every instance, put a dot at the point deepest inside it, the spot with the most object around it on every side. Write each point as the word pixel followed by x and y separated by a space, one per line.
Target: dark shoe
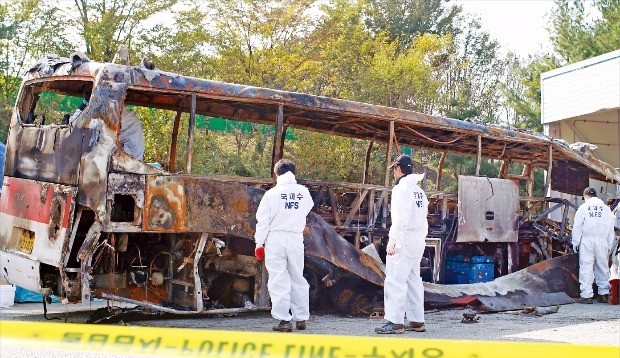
pixel 416 327
pixel 586 300
pixel 300 325
pixel 603 298
pixel 284 326
pixel 390 328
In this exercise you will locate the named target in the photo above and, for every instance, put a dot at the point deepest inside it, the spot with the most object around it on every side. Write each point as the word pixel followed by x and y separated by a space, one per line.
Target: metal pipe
pixel 278 142
pixel 197 282
pixel 388 159
pixel 190 134
pixel 479 155
pixel 440 170
pixel 367 161
pixel 173 146
pixel 549 168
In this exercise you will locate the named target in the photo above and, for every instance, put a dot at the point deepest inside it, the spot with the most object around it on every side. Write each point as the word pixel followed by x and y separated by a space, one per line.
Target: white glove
pixel 392 247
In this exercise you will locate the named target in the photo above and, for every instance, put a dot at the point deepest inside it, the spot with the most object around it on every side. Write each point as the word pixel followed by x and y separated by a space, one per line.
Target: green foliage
pixel 456 165
pixel 6 108
pixel 330 158
pixel 578 30
pixel 404 20
pixel 577 33
pixel 523 93
pixel 424 55
pixel 104 25
pixel 29 29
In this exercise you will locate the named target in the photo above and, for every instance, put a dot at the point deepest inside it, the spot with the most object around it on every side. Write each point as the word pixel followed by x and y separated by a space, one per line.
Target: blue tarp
pixel 23 295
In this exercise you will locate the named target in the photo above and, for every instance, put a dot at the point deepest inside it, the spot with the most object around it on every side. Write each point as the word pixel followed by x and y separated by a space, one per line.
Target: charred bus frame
pixel 82 218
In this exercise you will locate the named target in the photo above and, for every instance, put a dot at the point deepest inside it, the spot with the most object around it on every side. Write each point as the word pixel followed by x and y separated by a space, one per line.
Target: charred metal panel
pixel 323 242
pixel 125 202
pixel 199 204
pixel 559 274
pixel 488 210
pixel 569 178
pixel 36 219
pixel 103 115
pixel 110 281
pixel 519 301
pixel 48 153
pixel 239 265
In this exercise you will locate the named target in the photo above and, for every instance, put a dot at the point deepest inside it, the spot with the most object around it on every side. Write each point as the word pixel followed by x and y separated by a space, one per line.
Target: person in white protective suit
pixel 403 290
pixel 593 233
pixel 281 219
pixel 132 135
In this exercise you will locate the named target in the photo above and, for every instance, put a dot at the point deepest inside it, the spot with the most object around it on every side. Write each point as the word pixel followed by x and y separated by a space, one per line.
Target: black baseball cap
pixel 402 161
pixel 590 192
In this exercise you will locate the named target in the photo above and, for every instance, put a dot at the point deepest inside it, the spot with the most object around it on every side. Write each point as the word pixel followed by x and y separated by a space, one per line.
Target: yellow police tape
pixel 233 344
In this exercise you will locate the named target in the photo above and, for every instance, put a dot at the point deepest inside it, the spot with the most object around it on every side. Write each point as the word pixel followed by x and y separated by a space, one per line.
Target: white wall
pixel 581 88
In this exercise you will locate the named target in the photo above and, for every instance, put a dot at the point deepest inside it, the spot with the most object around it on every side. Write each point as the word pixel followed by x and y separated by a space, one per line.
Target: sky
pixel 519 25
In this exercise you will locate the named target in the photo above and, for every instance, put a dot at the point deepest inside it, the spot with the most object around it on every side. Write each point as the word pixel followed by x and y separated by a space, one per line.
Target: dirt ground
pixel 574 323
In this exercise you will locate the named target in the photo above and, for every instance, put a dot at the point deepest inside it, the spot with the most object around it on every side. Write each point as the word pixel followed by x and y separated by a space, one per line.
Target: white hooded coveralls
pixel 593 233
pixel 614 271
pixel 281 219
pixel 403 289
pixel 131 135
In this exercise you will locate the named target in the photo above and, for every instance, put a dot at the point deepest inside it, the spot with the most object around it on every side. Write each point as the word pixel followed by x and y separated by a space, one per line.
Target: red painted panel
pixel 30 200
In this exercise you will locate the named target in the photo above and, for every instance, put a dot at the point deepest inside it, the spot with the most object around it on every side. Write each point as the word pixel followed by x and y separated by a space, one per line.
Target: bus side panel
pixel 36 220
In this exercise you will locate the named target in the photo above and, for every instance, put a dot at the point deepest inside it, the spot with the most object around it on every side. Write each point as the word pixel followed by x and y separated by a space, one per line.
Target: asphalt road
pixel 575 324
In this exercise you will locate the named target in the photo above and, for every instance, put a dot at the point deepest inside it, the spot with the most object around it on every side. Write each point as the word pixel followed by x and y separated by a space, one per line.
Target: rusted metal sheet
pixel 550 276
pixel 488 210
pixel 199 204
pixel 570 178
pixel 125 202
pixel 520 301
pixel 323 242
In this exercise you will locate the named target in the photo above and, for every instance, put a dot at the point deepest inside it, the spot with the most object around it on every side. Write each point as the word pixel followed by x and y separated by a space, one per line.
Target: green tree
pixel 403 20
pixel 263 43
pixel 472 71
pixel 29 29
pixel 185 46
pixel 103 25
pixel 578 31
pixel 523 93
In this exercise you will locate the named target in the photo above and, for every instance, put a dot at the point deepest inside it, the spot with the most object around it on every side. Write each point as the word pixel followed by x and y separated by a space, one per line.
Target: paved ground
pixel 575 323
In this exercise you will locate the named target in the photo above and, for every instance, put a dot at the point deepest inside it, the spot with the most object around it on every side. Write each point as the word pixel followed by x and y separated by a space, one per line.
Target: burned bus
pixel 81 216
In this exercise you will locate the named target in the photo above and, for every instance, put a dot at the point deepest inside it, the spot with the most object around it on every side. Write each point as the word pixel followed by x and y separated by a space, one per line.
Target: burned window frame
pixel 26 98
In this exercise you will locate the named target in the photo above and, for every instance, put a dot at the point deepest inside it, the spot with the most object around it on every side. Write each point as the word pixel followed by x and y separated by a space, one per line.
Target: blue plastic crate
pixel 481 273
pixel 457 267
pixel 457 258
pixel 481 259
pixel 464 269
pixel 455 278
